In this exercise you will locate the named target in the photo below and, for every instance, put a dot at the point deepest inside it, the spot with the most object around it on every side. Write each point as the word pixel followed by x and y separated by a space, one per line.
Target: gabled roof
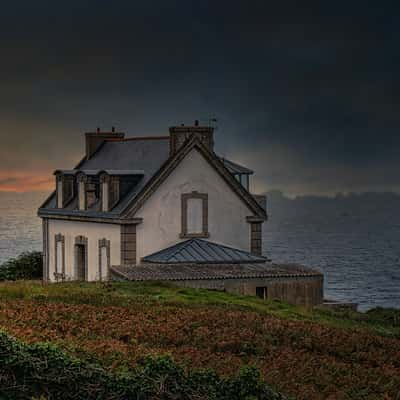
pixel 202 252
pixel 169 166
pixel 150 156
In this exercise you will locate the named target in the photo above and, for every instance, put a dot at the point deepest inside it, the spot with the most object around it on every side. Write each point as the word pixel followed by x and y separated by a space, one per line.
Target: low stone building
pixel 197 263
pixel 164 208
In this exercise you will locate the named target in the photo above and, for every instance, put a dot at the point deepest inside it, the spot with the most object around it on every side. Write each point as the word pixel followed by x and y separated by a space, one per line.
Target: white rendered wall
pixel 93 232
pixel 161 213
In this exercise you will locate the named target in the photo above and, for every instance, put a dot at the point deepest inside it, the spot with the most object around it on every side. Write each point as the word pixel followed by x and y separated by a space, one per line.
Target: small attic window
pixel 64 189
pixel 92 192
pixel 194 209
pixel 243 179
pixel 88 191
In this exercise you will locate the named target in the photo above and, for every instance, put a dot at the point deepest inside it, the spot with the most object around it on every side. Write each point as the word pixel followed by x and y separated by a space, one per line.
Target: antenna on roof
pixel 212 120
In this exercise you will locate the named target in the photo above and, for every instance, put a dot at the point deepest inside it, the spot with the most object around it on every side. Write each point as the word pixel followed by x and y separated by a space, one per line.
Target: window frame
pixel 184 215
pixel 59 275
pixel 104 244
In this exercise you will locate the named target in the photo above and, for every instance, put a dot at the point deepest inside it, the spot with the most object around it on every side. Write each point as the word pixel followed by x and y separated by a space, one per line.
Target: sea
pixel 353 239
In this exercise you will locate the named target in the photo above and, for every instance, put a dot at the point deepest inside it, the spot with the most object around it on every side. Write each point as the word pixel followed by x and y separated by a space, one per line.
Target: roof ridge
pixel 170 164
pixel 137 138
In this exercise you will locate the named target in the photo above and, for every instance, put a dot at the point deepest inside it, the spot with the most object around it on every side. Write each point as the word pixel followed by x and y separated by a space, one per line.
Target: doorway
pixel 262 292
pixel 80 251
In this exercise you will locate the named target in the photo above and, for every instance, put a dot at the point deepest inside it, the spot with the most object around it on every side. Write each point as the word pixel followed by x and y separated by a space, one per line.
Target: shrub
pixel 26 266
pixel 44 371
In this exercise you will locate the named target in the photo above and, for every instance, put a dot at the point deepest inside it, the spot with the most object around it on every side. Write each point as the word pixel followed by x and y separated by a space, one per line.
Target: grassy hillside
pixel 305 354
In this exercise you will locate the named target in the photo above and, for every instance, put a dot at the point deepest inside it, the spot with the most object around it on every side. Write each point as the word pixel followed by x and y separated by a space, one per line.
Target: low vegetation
pixel 43 370
pixel 304 354
pixel 25 266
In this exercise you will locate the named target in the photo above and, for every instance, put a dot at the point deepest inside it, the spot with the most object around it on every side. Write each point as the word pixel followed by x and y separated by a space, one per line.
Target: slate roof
pixel 179 272
pixel 145 156
pixel 201 251
pixel 92 172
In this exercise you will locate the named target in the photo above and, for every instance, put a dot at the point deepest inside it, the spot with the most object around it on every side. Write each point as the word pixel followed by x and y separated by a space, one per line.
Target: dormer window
pixel 82 180
pixel 243 179
pixel 105 192
pixel 92 192
pixel 240 173
pixel 88 190
pixel 64 189
pixel 110 187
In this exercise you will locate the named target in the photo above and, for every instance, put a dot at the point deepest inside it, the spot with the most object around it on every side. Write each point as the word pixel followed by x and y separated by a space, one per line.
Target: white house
pixel 165 207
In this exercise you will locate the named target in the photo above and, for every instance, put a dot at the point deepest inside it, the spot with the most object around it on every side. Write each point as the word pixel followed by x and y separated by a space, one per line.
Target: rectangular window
pixel 103 262
pixel 91 194
pixel 194 216
pixel 246 181
pixel 59 266
pixel 194 209
pixel 59 262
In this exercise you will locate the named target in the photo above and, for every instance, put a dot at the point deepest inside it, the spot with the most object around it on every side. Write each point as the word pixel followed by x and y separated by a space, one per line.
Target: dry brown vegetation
pixel 301 356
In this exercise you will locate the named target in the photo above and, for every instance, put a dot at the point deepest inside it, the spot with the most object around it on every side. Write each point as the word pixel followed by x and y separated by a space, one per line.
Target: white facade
pixel 161 213
pixel 93 232
pixel 221 220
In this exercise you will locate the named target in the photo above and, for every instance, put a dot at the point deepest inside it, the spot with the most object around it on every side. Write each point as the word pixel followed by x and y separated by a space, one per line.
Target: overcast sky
pixel 305 93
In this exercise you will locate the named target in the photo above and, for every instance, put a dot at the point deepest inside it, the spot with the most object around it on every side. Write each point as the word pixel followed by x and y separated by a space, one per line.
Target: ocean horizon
pixel 353 239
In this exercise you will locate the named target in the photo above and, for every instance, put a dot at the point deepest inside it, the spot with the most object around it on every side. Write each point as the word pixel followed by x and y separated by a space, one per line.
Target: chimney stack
pixel 95 139
pixel 179 134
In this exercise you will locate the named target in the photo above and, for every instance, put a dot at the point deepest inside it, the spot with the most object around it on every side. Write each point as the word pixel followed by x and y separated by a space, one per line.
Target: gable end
pixel 169 166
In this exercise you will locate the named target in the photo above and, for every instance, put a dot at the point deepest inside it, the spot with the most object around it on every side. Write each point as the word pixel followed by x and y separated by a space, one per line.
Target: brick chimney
pixel 95 139
pixel 179 134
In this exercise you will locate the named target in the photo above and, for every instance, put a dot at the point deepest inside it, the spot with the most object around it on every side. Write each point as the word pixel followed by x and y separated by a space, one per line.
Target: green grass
pixel 384 322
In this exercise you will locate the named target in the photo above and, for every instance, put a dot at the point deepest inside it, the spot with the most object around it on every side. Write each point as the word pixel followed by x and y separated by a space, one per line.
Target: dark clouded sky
pixel 306 93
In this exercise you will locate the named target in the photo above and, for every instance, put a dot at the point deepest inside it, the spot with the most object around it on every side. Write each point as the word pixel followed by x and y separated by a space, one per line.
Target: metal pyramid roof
pixel 202 252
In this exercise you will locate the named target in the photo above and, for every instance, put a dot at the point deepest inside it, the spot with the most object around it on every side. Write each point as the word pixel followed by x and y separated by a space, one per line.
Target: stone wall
pixel 304 291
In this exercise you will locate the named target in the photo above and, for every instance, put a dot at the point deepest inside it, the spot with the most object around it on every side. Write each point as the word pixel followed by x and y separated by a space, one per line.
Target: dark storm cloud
pixel 313 86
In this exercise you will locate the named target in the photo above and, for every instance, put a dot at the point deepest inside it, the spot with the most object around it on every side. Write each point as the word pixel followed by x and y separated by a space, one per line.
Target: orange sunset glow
pixel 25 181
